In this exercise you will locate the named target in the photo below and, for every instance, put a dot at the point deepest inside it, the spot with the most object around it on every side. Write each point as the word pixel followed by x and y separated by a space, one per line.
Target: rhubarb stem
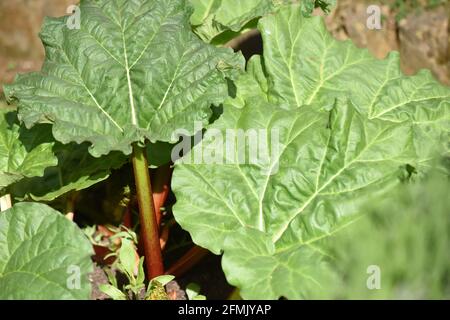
pixel 161 188
pixel 186 262
pixel 147 217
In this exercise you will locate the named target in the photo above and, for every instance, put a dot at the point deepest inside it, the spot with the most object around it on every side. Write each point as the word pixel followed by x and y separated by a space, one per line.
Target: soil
pixel 96 278
pixel 208 274
pixel 175 292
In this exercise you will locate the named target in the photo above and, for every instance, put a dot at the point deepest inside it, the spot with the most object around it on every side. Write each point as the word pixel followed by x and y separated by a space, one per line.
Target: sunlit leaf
pixel 347 127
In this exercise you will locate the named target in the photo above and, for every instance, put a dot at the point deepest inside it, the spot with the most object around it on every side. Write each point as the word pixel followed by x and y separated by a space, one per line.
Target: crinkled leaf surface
pixel 76 170
pixel 133 70
pixel 214 17
pixel 23 153
pixel 39 251
pixel 348 126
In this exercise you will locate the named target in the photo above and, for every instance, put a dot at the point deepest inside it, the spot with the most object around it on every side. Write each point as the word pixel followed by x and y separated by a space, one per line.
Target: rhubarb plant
pixel 336 129
pixel 349 127
pixel 132 73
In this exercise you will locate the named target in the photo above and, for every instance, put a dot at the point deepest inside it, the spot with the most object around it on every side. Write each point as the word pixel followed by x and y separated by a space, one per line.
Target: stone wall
pixel 422 37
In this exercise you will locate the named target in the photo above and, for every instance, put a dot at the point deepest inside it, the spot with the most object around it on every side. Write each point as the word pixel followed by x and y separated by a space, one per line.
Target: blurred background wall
pixel 20 22
pixel 419 29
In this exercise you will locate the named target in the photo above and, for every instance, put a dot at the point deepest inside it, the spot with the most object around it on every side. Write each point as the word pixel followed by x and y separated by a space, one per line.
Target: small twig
pixel 164 237
pixel 186 262
pixel 161 189
pixel 70 205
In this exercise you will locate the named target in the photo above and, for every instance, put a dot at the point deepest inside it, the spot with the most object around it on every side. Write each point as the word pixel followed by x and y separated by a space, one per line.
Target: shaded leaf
pixel 193 292
pixel 213 19
pixel 76 170
pixel 164 279
pixel 23 153
pixel 112 292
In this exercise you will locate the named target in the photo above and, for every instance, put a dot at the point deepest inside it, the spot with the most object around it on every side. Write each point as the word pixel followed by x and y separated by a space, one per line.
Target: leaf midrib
pixel 277 235
pixel 125 65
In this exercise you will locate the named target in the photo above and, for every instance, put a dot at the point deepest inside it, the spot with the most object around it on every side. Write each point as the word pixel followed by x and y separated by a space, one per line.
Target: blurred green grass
pixel 406 235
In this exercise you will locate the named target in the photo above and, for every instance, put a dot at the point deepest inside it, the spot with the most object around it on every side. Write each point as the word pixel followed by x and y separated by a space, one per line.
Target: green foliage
pixel 193 292
pixel 307 6
pixel 43 255
pixel 407 235
pixel 156 290
pixel 23 153
pixel 131 266
pixel 343 129
pixel 62 178
pixel 211 18
pixel 349 127
pixel 133 71
pixel 218 21
pixel 34 166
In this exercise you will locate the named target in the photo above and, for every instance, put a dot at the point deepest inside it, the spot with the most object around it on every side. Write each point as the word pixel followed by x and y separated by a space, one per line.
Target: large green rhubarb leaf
pixel 23 153
pixel 348 128
pixel 133 70
pixel 43 255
